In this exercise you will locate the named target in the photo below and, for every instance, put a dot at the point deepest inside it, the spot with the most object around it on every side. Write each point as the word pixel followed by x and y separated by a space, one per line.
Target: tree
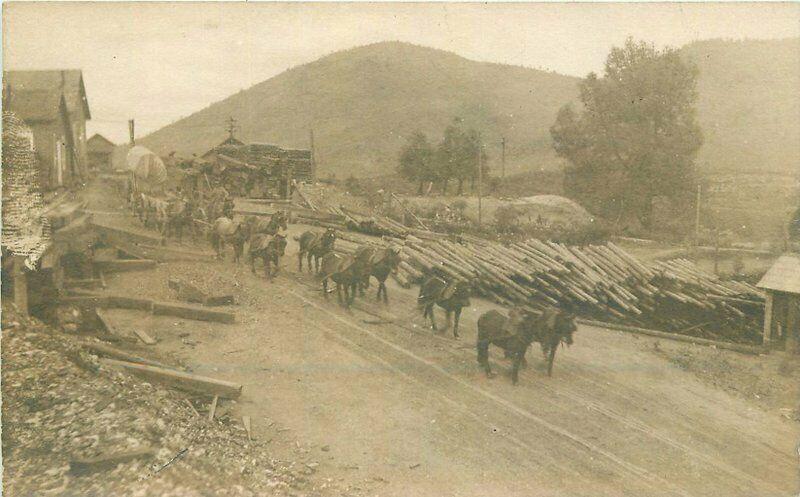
pixel 457 155
pixel 416 161
pixel 636 136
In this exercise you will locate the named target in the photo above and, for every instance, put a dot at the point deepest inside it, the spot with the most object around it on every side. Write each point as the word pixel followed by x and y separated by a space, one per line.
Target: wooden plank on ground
pixel 105 462
pixel 180 379
pixel 217 300
pixel 247 427
pixel 744 349
pixel 123 302
pixel 213 409
pixel 114 353
pixel 144 337
pixel 120 265
pixel 195 312
pixel 83 300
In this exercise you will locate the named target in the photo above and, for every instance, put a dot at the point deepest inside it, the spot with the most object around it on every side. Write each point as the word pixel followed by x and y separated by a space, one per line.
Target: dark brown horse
pixel 451 297
pixel 347 272
pixel 179 217
pixel 315 245
pixel 269 249
pixel 514 334
pixel 382 262
pixel 259 225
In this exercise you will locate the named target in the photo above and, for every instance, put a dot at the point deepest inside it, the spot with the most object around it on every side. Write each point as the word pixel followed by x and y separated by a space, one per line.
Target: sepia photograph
pixel 424 249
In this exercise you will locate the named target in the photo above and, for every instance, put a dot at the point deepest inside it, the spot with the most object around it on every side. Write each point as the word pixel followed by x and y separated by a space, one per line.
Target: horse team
pixel 351 274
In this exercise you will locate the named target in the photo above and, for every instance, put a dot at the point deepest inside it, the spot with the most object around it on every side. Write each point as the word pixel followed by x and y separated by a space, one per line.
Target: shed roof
pixel 69 82
pixel 99 142
pixel 36 105
pixel 783 276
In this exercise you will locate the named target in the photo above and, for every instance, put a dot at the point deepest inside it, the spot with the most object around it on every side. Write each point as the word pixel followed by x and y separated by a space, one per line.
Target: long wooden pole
pixel 503 157
pixel 697 219
pixel 480 187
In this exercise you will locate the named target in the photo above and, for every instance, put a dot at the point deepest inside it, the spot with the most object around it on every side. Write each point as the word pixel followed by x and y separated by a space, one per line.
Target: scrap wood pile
pixel 72 426
pixel 598 281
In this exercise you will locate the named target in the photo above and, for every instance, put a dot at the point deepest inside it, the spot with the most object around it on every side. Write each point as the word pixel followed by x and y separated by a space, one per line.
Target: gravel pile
pixel 60 404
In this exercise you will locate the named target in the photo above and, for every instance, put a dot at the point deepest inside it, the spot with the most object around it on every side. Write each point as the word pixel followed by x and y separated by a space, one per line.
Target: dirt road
pixel 408 413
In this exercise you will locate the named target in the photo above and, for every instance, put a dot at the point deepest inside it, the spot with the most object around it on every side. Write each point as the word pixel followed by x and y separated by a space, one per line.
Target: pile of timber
pixel 370 225
pixel 597 281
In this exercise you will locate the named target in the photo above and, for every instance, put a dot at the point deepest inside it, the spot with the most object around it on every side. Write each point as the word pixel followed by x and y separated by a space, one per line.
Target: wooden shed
pixel 782 311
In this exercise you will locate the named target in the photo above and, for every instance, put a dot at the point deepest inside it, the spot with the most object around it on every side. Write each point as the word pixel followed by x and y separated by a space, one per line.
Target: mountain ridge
pixel 364 101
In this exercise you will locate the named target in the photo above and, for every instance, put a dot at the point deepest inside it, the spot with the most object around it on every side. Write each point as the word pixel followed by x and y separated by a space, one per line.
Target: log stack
pixel 597 281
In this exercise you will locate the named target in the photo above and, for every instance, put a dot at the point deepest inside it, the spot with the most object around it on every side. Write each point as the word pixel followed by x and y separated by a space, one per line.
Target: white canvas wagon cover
pixel 146 166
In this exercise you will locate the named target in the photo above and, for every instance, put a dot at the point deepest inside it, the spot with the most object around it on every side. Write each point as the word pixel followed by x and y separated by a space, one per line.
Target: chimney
pixel 130 131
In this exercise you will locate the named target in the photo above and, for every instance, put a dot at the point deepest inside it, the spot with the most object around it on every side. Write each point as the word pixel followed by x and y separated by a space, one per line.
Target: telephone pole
pixel 130 132
pixel 232 127
pixel 503 157
pixel 480 185
pixel 697 219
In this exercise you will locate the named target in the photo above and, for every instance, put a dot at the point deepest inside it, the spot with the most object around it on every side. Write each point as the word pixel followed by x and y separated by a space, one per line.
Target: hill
pixel 749 105
pixel 362 103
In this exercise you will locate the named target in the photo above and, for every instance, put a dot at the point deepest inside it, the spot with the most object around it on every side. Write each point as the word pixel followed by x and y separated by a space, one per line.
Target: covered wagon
pixel 147 171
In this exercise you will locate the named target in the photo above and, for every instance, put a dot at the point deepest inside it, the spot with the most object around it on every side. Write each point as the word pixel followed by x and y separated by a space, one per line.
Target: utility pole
pixel 232 127
pixel 130 132
pixel 480 185
pixel 313 155
pixel 697 219
pixel 503 157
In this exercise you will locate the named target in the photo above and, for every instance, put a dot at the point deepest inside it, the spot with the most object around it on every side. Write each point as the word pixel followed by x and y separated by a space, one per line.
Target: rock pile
pixel 73 427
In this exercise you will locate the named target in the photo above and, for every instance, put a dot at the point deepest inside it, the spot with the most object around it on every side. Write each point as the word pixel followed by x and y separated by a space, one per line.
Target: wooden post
pixel 792 323
pixel 767 335
pixel 480 187
pixel 20 285
pixel 697 221
pixel 130 132
pixel 313 156
pixel 503 157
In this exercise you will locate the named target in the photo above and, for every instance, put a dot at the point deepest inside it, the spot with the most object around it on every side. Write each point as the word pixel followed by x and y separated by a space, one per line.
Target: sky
pixel 158 62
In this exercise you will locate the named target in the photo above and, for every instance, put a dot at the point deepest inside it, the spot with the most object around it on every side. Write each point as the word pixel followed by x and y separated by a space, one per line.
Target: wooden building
pixel 99 150
pixel 59 134
pixel 782 311
pixel 255 170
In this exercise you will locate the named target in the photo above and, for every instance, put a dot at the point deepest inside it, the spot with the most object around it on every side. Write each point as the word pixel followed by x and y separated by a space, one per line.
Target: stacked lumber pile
pixel 597 281
pixel 373 225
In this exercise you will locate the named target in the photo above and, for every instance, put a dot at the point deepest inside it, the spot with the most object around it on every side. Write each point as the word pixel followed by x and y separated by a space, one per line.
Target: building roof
pixel 69 82
pixel 36 105
pixel 100 140
pixel 783 276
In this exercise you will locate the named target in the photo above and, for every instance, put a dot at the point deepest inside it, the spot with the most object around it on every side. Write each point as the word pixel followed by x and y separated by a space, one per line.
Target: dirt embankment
pixel 769 382
pixel 60 405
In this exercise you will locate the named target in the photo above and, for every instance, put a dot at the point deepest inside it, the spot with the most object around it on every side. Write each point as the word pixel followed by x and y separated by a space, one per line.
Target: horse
pixel 347 272
pixel 269 249
pixel 222 230
pixel 315 245
pixel 179 216
pixel 451 297
pixel 514 334
pixel 382 263
pixel 278 220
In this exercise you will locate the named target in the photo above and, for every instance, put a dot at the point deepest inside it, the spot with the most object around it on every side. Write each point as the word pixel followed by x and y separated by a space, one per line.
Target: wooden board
pixel 179 379
pixel 744 349
pixel 107 351
pixel 192 312
pixel 121 265
pixel 144 337
pixel 105 462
